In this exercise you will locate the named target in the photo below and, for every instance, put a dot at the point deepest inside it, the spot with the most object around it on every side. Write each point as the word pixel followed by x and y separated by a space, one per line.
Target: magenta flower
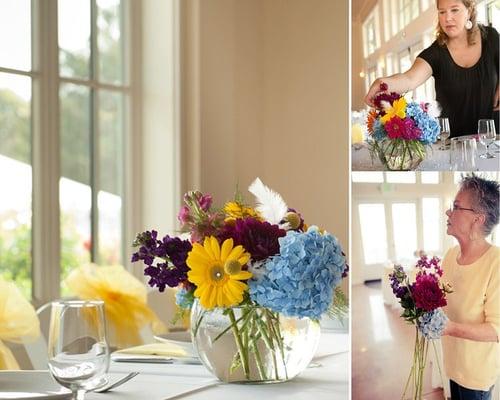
pixel 427 293
pixel 395 128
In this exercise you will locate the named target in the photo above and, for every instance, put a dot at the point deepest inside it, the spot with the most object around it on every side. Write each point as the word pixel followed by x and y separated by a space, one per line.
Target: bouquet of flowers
pixel 399 130
pixel 256 266
pixel 421 301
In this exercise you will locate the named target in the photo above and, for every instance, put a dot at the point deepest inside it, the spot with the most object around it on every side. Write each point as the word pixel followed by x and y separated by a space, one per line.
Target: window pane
pixel 373 232
pixel 404 221
pixel 15 34
pixel 74 38
pixel 74 186
pixel 15 180
pixel 401 177
pixel 367 177
pixel 429 177
pixel 110 176
pixel 110 41
pixel 433 220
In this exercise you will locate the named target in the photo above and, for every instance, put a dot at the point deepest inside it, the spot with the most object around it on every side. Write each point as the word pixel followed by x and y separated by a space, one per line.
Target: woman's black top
pixel 465 94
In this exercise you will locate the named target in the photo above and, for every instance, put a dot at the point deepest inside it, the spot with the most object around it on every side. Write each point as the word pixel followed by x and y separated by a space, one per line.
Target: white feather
pixel 434 109
pixel 269 203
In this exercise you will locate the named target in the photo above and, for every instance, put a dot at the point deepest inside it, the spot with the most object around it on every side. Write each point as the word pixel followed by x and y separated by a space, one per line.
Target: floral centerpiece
pixel 421 301
pixel 399 131
pixel 257 281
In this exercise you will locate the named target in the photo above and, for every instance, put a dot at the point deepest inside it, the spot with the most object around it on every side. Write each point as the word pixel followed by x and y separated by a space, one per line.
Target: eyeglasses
pixel 454 207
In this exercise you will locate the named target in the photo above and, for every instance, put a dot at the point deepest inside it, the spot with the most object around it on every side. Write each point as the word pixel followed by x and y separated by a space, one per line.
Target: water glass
pixel 463 153
pixel 444 129
pixel 487 135
pixel 77 350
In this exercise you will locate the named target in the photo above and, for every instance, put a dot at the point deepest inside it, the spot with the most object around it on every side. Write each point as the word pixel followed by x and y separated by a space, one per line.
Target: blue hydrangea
pixel 428 125
pixel 184 298
pixel 300 280
pixel 379 132
pixel 432 323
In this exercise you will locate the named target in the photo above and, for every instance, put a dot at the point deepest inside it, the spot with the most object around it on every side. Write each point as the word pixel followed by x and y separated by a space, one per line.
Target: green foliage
pixel 15 132
pixel 340 305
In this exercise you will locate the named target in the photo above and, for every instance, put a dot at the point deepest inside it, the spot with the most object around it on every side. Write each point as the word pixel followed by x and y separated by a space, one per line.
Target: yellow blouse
pixel 475 300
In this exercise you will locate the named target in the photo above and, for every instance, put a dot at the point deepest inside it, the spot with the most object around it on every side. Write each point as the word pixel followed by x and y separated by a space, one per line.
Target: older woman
pixel 464 63
pixel 470 342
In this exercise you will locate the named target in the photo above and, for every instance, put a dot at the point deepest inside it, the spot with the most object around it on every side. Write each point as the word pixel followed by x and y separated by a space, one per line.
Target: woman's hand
pixel 496 100
pixel 418 73
pixel 374 91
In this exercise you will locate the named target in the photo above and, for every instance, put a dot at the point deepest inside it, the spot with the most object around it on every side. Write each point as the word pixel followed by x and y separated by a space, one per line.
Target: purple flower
pixel 172 270
pixel 397 279
pixel 259 238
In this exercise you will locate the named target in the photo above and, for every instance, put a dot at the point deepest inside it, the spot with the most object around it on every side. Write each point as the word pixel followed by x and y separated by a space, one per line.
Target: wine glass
pixel 77 350
pixel 486 133
pixel 444 129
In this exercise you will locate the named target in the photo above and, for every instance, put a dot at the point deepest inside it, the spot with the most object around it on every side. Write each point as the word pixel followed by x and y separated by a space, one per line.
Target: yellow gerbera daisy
pixel 236 210
pixel 217 272
pixel 398 109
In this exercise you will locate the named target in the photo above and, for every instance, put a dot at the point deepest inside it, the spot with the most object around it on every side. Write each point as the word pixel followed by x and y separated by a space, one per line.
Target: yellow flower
pixel 398 109
pixel 236 210
pixel 217 272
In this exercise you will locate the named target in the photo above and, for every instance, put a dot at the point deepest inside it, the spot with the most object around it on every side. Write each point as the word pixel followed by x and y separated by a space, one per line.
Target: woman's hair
pixel 442 37
pixel 485 199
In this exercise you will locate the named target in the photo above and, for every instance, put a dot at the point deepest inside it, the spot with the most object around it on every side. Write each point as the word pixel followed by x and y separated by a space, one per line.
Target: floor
pixel 382 348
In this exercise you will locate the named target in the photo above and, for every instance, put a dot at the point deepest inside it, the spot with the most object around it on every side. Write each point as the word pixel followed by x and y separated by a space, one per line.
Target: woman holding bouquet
pixel 464 63
pixel 471 338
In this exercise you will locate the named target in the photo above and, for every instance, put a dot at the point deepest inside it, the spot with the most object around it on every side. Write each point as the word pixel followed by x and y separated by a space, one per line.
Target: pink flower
pixel 395 128
pixel 205 202
pixel 184 215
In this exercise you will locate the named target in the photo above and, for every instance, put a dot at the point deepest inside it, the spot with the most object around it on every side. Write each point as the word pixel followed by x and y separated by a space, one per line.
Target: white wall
pixel 272 101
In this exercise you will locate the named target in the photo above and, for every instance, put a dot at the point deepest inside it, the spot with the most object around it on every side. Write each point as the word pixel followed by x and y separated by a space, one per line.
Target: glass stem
pixel 79 394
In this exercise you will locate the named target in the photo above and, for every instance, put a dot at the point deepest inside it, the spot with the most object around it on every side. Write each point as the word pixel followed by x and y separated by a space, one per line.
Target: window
pixel 373 177
pixel 89 99
pixel 373 232
pixel 404 221
pixel 432 232
pixel 16 81
pixel 431 177
pixel 401 177
pixel 370 35
pixel 93 95
pixel 408 12
pixel 425 4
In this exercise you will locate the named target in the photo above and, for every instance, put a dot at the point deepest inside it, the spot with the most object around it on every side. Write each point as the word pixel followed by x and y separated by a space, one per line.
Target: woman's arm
pixel 479 332
pixel 419 72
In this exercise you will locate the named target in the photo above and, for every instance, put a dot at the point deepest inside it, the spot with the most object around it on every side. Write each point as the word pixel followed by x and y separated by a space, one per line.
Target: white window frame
pixel 45 150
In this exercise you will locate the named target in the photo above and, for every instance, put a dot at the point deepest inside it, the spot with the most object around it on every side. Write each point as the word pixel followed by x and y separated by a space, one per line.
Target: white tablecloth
pixel 328 381
pixel 437 160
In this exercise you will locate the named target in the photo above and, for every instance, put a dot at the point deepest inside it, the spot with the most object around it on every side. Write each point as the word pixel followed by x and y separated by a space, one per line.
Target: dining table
pixel 326 378
pixel 436 159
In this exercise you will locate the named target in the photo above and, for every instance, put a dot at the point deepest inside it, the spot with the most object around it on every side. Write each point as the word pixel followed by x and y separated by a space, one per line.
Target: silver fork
pixel 109 386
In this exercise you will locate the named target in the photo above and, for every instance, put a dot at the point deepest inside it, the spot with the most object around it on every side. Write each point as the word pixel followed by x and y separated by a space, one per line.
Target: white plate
pixel 31 385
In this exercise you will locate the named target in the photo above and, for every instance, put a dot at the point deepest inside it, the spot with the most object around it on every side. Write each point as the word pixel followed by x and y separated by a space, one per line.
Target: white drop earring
pixel 468 25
